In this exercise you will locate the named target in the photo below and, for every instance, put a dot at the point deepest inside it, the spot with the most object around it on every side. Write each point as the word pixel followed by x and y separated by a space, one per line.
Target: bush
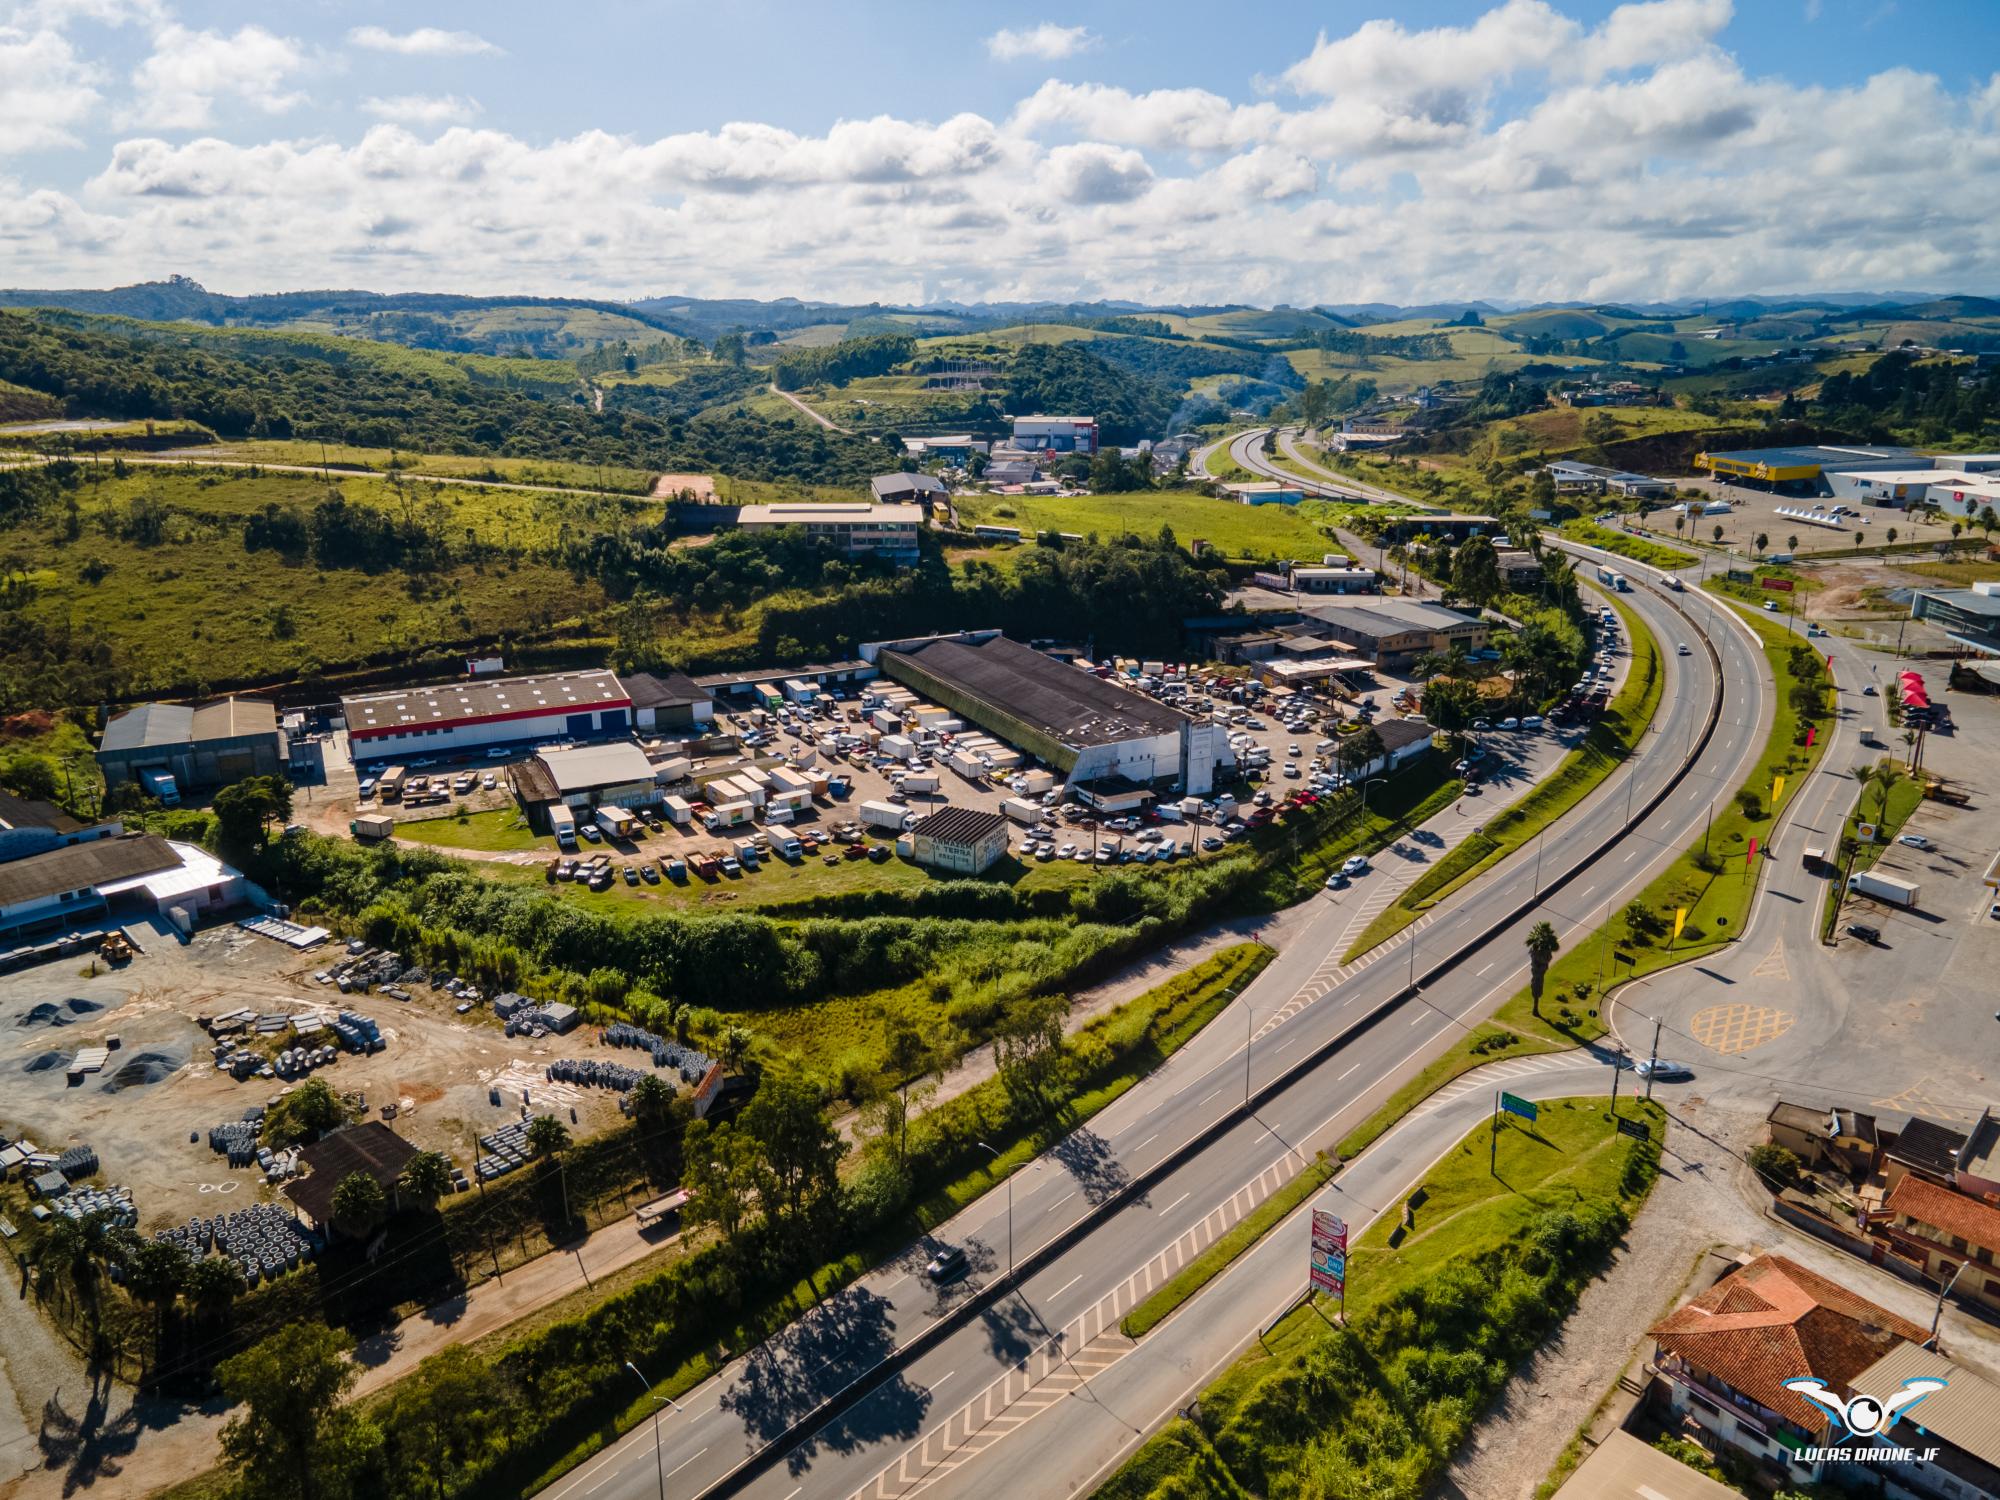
pixel 1776 1166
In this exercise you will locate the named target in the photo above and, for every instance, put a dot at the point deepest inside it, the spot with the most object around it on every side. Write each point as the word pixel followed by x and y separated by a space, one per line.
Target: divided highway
pixel 932 1382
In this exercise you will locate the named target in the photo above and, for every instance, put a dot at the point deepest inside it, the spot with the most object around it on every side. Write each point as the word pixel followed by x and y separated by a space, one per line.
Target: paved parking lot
pixel 1755 510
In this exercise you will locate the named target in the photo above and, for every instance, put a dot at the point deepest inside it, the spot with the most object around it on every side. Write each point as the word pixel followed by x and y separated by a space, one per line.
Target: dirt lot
pixel 160 1087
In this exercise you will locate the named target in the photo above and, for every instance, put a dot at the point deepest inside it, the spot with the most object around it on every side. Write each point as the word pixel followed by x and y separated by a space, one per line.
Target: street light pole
pixel 659 1463
pixel 1010 1210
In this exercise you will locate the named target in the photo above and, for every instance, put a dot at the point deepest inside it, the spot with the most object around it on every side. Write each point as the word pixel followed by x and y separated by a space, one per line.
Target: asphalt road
pixel 1301 1007
pixel 1247 449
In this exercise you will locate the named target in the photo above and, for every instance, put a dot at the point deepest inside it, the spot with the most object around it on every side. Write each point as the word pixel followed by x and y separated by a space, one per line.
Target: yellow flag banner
pixel 1777 789
pixel 1680 921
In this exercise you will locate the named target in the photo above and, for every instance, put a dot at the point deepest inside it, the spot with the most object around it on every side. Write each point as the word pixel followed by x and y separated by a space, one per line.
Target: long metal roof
pixel 1068 704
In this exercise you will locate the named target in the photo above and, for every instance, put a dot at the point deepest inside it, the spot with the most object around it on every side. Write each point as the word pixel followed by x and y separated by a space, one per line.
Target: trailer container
pixel 1022 811
pixel 920 782
pixel 372 827
pixel 968 765
pixel 1034 783
pixel 1887 889
pixel 679 811
pixel 885 815
pixel 160 786
pixel 899 745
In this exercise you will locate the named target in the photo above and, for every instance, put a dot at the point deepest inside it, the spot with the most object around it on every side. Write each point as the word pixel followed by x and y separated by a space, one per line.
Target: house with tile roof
pixel 1942 1231
pixel 1723 1359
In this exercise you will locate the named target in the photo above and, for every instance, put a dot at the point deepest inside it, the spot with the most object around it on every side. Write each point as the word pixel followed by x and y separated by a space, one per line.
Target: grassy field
pixel 501 830
pixel 1476 353
pixel 1623 544
pixel 1464 1209
pixel 1584 769
pixel 1263 532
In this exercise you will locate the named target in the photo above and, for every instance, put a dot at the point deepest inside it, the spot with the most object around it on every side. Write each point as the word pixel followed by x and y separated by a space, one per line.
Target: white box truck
pixel 1022 811
pixel 919 783
pixel 679 811
pixel 968 765
pixel 886 720
pixel 899 745
pixel 719 791
pixel 728 815
pixel 1034 783
pixel 1884 888
pixel 782 780
pixel 787 846
pixel 617 822
pixel 562 823
pixel 372 827
pixel 160 786
pixel 885 815
pixel 674 768
pixel 756 776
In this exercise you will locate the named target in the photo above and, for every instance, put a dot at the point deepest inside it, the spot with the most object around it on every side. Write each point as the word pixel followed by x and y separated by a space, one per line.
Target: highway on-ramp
pixel 938 1414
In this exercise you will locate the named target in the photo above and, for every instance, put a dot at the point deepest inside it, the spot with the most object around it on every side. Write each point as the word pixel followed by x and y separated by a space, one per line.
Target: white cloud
pixel 176 88
pixel 422 109
pixel 1522 154
pixel 45 90
pixel 425 41
pixel 1048 42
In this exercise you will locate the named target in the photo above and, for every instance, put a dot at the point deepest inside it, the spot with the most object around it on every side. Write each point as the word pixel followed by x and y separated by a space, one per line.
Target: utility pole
pixel 1653 1066
pixel 1937 1313
pixel 1615 1071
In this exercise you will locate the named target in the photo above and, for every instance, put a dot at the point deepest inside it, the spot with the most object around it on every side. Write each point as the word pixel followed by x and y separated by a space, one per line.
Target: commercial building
pixel 1335 581
pixel 1083 725
pixel 668 700
pixel 1723 1359
pixel 1800 466
pixel 963 840
pixel 1895 489
pixel 613 775
pixel 1262 492
pixel 905 489
pixel 211 745
pixel 1519 568
pixel 1970 617
pixel 1056 434
pixel 1393 633
pixel 84 882
pixel 484 714
pixel 1597 479
pixel 850 528
pixel 1441 524
pixel 767 685
pixel 31 827
pixel 1965 494
pixel 1817 1136
pixel 1970 463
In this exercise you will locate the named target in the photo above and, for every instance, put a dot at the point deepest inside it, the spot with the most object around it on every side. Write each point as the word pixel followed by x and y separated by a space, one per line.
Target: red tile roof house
pixel 1942 1231
pixel 1725 1356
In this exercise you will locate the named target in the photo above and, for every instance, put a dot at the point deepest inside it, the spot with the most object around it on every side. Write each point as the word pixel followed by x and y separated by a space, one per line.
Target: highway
pixel 926 1370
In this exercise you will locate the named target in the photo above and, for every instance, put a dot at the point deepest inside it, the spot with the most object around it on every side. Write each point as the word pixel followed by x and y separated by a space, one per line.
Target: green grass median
pixel 1610 742
pixel 1441 1306
pixel 1625 544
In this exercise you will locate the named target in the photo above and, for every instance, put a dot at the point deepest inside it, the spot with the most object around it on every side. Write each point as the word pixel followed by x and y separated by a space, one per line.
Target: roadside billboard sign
pixel 1515 1105
pixel 1782 585
pixel 1634 1128
pixel 1327 1267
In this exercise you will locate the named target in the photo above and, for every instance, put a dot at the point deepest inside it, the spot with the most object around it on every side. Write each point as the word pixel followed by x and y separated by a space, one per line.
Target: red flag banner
pixel 1810 732
pixel 1750 858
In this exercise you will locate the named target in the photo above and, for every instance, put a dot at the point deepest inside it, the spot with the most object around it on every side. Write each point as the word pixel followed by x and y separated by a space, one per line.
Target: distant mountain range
pixel 448 320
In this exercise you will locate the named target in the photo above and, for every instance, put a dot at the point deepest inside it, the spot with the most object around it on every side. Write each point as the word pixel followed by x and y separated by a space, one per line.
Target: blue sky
pixel 1167 150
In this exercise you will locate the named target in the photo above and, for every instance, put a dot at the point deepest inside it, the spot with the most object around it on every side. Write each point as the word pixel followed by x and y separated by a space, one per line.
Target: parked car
pixel 1510 722
pixel 1533 721
pixel 1913 840
pixel 1865 932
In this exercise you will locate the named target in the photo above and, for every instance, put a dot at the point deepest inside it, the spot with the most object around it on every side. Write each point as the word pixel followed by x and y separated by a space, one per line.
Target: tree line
pixel 836 364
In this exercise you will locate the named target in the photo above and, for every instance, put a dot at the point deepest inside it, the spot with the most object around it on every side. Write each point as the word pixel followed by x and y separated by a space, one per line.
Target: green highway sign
pixel 1515 1105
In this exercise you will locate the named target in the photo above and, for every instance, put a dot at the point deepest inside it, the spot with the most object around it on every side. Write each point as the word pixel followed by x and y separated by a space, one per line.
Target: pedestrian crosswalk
pixel 1082 1349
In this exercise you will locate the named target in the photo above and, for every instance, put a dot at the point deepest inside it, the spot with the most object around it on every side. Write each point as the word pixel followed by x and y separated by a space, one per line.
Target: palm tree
pixel 1957 531
pixel 426 1177
pixel 1884 777
pixel 75 1250
pixel 359 1203
pixel 1680 524
pixel 651 1096
pixel 1542 944
pixel 213 1283
pixel 1892 536
pixel 548 1138
pixel 1718 533
pixel 1763 541
pixel 155 1272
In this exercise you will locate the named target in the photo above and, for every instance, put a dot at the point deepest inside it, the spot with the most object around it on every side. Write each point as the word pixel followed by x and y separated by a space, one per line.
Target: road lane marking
pixel 1353 1069
pixel 1206 1097
pixel 1066 1285
pixel 1175 1204
pixel 941 1379
pixel 1147 1141
pixel 684 1463
pixel 1482 971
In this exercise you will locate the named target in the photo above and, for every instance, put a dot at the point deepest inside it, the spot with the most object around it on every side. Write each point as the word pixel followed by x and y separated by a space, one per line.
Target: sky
pixel 1160 151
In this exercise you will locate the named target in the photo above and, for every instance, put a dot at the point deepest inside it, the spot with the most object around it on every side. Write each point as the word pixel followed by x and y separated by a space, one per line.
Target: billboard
pixel 1782 585
pixel 1327 1270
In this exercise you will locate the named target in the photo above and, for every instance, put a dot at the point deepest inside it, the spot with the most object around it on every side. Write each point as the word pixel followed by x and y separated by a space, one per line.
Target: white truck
pixel 617 822
pixel 886 816
pixel 920 783
pixel 679 812
pixel 562 823
pixel 1022 811
pixel 728 815
pixel 787 846
pixel 1615 580
pixel 160 786
pixel 372 826
pixel 1034 783
pixel 968 765
pixel 899 745
pixel 1887 889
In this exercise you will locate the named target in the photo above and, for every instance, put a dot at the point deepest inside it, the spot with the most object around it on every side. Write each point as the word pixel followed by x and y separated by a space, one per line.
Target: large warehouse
pixel 1802 466
pixel 485 713
pixel 1086 727
pixel 207 746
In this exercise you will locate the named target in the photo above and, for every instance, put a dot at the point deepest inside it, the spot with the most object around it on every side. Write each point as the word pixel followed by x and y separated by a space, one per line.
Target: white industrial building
pixel 408 723
pixel 80 884
pixel 1089 728
pixel 617 774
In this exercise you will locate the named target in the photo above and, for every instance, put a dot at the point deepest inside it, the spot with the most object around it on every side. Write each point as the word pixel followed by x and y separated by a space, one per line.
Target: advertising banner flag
pixel 1750 857
pixel 1777 789
pixel 1680 921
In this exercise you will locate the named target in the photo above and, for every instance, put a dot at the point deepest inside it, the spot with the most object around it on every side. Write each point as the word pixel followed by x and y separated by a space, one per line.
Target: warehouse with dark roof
pixel 485 713
pixel 211 745
pixel 1066 716
pixel 963 840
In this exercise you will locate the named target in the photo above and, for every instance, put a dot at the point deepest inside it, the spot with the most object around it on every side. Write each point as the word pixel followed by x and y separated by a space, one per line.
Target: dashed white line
pixel 1067 1285
pixel 941 1379
pixel 1147 1141
pixel 1206 1097
pixel 1420 1015
pixel 1353 1069
pixel 1482 971
pixel 1175 1204
pixel 1061 1201
pixel 684 1463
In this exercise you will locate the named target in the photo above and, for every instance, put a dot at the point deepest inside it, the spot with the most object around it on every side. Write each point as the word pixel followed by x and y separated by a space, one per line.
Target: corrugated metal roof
pixel 492 697
pixel 1623 1468
pixel 1966 1413
pixel 1070 705
pixel 596 765
pixel 75 867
